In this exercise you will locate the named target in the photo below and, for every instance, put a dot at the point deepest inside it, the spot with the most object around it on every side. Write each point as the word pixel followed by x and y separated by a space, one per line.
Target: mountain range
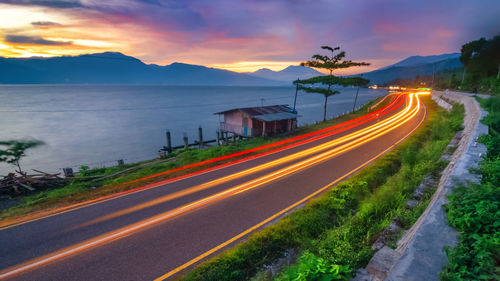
pixel 412 67
pixel 117 68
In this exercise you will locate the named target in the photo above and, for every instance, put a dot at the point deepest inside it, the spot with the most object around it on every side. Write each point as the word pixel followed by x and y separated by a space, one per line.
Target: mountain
pixel 117 68
pixel 418 60
pixel 288 74
pixel 412 67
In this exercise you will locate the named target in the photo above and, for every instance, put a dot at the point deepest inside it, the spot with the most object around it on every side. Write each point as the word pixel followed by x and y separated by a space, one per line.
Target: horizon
pixel 241 72
pixel 243 36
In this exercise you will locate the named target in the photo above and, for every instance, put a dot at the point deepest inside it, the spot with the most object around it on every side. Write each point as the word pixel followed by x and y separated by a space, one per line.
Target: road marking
pixel 244 233
pixel 377 130
pixel 119 233
pixel 110 197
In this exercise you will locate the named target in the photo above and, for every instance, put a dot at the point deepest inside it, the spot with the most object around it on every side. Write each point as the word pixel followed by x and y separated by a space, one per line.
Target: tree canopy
pixel 12 151
pixel 323 84
pixel 481 58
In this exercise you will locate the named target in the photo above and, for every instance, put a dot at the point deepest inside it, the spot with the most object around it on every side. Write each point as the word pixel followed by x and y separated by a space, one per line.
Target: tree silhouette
pixel 15 150
pixel 323 84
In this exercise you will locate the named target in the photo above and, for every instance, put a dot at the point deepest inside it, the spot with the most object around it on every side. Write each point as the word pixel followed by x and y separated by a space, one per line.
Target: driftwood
pixel 21 183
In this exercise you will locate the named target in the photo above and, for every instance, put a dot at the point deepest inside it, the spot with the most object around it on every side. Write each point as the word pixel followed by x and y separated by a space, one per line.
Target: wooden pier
pixel 223 138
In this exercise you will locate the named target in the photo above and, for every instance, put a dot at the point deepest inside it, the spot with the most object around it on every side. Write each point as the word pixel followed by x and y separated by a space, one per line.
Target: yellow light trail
pixel 280 161
pixel 275 216
pixel 127 230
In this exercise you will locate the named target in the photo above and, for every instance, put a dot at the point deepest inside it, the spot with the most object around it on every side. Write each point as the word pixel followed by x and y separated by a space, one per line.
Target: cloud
pixel 23 39
pixel 45 23
pixel 63 4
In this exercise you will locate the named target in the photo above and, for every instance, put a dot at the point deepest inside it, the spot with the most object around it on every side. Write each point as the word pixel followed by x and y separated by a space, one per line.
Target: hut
pixel 259 121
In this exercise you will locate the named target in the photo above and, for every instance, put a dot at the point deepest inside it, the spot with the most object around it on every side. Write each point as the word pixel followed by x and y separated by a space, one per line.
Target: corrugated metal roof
pixel 276 116
pixel 267 113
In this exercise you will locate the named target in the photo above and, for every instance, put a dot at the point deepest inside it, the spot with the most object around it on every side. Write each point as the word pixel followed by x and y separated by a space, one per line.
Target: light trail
pixel 247 172
pixel 277 215
pixel 376 114
pixel 274 144
pixel 124 231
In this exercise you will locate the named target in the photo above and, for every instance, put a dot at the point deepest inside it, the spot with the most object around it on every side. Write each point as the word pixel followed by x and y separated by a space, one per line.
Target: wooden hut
pixel 259 121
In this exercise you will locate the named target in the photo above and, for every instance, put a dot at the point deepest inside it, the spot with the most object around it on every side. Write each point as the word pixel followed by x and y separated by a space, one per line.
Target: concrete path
pixel 421 249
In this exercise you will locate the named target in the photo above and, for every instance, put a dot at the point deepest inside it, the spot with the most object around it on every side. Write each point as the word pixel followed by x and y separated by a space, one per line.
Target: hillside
pixel 116 68
pixel 288 74
pixel 413 67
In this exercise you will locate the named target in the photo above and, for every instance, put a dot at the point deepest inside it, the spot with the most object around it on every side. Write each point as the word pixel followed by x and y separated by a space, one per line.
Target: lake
pixel 96 125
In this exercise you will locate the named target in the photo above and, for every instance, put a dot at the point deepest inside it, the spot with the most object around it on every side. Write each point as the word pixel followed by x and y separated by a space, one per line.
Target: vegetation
pixel 334 232
pixel 330 63
pixel 474 211
pixel 481 71
pixel 14 150
pixel 85 186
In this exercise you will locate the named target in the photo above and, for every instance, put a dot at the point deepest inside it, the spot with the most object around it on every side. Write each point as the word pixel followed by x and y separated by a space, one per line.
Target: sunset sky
pixel 244 35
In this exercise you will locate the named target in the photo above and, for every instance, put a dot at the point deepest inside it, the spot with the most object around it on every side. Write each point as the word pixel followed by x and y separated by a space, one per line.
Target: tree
pixel 323 84
pixel 14 150
pixel 481 58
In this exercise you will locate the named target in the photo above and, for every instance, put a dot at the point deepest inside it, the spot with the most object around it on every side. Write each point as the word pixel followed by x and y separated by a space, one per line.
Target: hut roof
pixel 266 113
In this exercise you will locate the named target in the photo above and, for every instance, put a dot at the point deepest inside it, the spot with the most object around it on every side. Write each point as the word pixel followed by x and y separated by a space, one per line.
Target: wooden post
pixel 169 142
pixel 296 92
pixel 68 172
pixel 185 141
pixel 217 137
pixel 200 135
pixel 263 128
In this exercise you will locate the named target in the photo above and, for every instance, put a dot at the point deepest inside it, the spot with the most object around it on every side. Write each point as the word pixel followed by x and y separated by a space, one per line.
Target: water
pixel 96 125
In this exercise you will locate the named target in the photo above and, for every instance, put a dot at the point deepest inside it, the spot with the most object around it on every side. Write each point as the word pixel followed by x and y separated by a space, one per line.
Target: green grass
pixel 474 210
pixel 333 242
pixel 82 189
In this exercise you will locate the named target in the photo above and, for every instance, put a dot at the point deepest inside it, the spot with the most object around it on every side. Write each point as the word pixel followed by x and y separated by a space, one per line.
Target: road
pixel 156 232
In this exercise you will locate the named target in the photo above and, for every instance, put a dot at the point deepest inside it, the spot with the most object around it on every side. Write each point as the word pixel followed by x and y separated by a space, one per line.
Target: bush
pixel 475 212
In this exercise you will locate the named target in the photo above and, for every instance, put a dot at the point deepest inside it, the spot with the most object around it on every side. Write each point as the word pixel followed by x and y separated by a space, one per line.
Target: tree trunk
pixel 324 108
pixel 19 167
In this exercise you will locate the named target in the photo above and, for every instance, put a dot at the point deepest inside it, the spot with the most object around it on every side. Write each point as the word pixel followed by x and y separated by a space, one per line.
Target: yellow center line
pixel 119 233
pixel 260 224
pixel 364 134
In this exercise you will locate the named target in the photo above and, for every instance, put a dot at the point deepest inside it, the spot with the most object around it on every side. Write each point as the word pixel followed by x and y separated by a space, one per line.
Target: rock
pixel 363 275
pixel 382 262
pixel 410 204
pixel 393 227
pixel 424 185
pixel 379 243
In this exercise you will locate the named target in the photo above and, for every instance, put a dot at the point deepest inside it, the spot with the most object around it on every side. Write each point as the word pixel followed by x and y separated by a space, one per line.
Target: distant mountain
pixel 288 74
pixel 412 67
pixel 417 60
pixel 117 68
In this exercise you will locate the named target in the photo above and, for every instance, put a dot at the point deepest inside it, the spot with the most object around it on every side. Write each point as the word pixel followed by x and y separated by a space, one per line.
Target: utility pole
pixel 296 91
pixel 356 98
pixel 433 74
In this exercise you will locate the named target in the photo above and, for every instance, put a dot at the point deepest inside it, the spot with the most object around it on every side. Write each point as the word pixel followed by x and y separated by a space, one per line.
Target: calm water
pixel 96 125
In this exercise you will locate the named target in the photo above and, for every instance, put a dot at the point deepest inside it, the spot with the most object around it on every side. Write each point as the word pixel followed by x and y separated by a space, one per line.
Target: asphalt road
pixel 147 234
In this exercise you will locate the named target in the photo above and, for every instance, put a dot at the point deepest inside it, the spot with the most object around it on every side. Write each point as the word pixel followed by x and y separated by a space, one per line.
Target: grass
pixel 474 211
pixel 82 189
pixel 334 232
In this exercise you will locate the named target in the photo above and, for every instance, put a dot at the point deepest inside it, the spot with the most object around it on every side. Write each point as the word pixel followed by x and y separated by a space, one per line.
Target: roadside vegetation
pixel 98 182
pixel 332 235
pixel 474 210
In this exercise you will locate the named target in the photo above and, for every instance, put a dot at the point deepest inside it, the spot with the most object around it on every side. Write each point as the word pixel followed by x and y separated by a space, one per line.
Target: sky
pixel 244 35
